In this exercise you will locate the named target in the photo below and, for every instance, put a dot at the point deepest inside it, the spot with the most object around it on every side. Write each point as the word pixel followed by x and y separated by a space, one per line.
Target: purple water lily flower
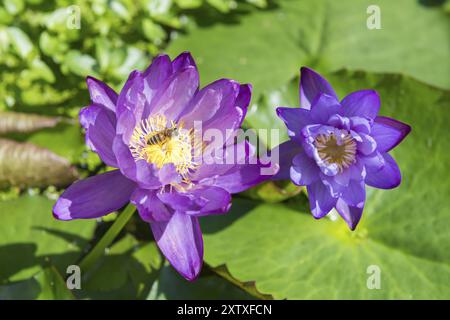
pixel 147 133
pixel 337 147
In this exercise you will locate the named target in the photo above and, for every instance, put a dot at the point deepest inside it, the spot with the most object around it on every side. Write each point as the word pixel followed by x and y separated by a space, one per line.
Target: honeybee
pixel 162 136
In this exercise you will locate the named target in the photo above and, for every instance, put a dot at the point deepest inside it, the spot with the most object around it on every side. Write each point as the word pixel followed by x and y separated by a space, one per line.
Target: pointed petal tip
pixel 181 242
pixel 249 86
pixel 352 227
pixel 307 69
pixel 60 210
pixel 311 84
pixel 183 60
pixel 191 277
pixel 351 214
pixel 316 215
pixel 91 79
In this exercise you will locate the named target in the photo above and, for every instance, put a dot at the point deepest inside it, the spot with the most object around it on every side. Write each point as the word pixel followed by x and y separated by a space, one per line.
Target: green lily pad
pixel 30 238
pixel 126 271
pixel 171 286
pixel 267 47
pixel 47 284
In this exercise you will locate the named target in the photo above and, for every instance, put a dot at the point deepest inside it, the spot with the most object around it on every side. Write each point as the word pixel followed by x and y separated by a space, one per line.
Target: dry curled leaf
pixel 27 165
pixel 16 122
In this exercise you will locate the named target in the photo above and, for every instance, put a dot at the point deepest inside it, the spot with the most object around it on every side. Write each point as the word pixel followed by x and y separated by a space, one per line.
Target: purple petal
pixel 168 174
pixel 350 214
pixel 388 177
pixel 226 124
pixel 101 135
pixel 320 199
pixel 360 125
pixel 87 118
pixel 335 186
pixel 363 103
pixel 311 85
pixel 244 97
pixel 173 97
pixel 304 170
pixel 343 178
pixel 130 105
pixel 354 193
pixel 126 123
pixel 367 145
pixel 245 172
pixel 338 121
pixel 94 197
pixel 388 133
pixel 219 95
pixel 295 119
pixel 140 171
pixel 373 162
pixel 231 113
pixel 201 201
pixel 101 93
pixel 133 87
pixel 338 183
pixel 183 61
pixel 286 152
pixel 323 107
pixel 180 240
pixel 150 208
pixel 159 71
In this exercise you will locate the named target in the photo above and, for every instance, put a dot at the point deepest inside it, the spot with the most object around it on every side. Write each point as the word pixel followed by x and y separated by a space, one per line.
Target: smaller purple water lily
pixel 147 133
pixel 337 147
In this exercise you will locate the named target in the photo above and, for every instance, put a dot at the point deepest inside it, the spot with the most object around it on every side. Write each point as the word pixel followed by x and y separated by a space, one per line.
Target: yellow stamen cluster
pixel 161 142
pixel 339 150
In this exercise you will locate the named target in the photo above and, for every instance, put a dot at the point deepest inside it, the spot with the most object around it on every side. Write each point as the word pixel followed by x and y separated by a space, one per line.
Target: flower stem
pixel 89 260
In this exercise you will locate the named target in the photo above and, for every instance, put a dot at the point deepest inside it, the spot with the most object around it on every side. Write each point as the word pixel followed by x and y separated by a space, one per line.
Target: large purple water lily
pixel 146 132
pixel 337 147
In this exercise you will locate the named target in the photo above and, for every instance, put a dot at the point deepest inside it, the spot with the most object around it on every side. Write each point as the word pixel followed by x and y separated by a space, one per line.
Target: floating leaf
pixel 126 271
pixel 171 286
pixel 47 284
pixel 30 238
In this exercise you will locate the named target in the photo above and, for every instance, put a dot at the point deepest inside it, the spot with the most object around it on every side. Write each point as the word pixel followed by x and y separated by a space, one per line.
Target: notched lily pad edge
pixel 247 286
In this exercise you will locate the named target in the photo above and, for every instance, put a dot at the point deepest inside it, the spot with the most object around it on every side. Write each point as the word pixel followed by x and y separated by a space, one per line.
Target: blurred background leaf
pixel 24 123
pixel 26 165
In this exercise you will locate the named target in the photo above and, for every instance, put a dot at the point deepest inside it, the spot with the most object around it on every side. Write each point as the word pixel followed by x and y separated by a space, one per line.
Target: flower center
pixel 161 142
pixel 336 149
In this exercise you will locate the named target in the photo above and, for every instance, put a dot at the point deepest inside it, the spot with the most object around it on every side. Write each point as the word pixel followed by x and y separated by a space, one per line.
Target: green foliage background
pixel 268 246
